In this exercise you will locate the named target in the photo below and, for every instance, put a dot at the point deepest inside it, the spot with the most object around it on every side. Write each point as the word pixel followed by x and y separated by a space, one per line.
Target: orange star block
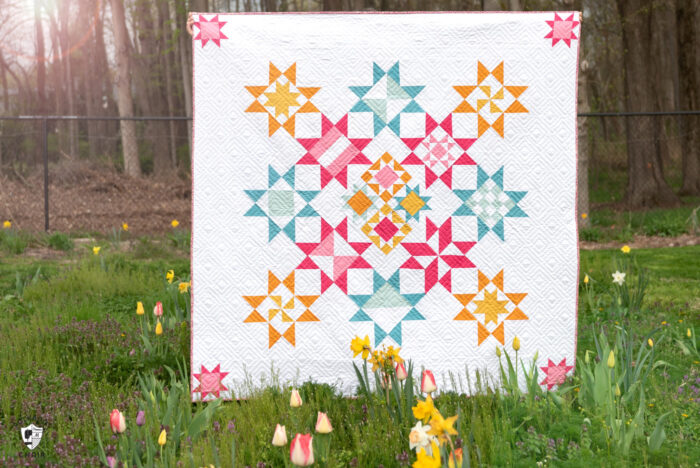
pixel 281 293
pixel 281 99
pixel 489 100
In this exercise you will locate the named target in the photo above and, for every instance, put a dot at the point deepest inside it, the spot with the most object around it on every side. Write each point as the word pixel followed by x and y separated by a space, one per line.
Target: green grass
pixel 69 334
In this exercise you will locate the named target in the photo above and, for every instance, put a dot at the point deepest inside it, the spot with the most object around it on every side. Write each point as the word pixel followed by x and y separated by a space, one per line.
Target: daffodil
pixel 650 342
pixel 170 276
pixel 584 215
pixel 96 250
pixel 428 461
pixel 174 223
pixel 394 354
pixel 184 287
pixel 424 410
pixel 419 438
pixel 442 427
pixel 377 360
pixel 625 249
pixel 360 346
pixel 125 226
pixel 618 278
pixel 7 224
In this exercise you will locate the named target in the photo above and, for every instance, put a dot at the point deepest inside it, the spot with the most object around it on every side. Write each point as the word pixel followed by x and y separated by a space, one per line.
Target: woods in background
pixel 133 58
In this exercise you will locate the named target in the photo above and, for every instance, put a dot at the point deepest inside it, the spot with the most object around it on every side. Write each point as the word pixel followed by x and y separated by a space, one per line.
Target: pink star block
pixel 562 29
pixel 210 381
pixel 556 374
pixel 210 30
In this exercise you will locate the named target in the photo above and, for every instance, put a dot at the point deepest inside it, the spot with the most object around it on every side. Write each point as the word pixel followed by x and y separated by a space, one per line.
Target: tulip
pixel 516 343
pixel 140 418
pixel 611 359
pixel 139 308
pixel 96 250
pixel 7 224
pixel 162 438
pixel 159 328
pixel 498 352
pixel 687 333
pixel 323 424
pixel 111 462
pixel 617 390
pixel 301 450
pixel 427 384
pixel 295 399
pixel 280 437
pixel 586 279
pixel 158 309
pixel 117 421
pixel 401 373
pixel 650 342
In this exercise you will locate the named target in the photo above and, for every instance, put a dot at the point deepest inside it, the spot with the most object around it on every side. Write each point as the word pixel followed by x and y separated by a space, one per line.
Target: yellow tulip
pixel 687 333
pixel 162 438
pixel 96 250
pixel 498 351
pixel 295 399
pixel 139 308
pixel 617 390
pixel 650 342
pixel 159 328
pixel 174 223
pixel 611 359
pixel 586 279
pixel 625 249
pixel 7 224
pixel 584 215
pixel 516 343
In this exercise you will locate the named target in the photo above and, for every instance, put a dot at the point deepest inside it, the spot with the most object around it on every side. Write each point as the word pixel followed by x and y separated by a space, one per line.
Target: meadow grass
pixel 72 350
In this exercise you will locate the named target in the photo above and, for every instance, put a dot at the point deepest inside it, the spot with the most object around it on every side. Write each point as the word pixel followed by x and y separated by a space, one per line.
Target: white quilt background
pixel 231 254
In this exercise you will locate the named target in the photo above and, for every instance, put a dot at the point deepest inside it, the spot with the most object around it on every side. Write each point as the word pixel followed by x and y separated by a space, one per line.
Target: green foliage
pixel 60 241
pixel 12 241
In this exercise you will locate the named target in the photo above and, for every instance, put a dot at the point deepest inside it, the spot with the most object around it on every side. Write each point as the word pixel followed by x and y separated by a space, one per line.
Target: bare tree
pixel 688 16
pixel 125 100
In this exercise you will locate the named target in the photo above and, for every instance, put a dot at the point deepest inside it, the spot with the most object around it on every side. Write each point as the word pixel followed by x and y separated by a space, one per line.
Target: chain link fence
pixel 65 173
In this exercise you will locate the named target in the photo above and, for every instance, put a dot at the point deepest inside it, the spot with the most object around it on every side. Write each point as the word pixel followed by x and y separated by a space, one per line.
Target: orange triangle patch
pixel 308 316
pixel 517 314
pixel 308 91
pixel 483 125
pixel 274 73
pixel 307 108
pixel 516 108
pixel 516 298
pixel 256 91
pixel 290 336
pixel 254 317
pixel 498 72
pixel 481 72
pixel 465 299
pixel 516 91
pixel 482 332
pixel 289 282
pixel 498 280
pixel 274 335
pixel 254 301
pixel 465 315
pixel 291 73
pixel 483 280
pixel 272 282
pixel 307 300
pixel 256 107
pixel 498 125
pixel 273 124
pixel 289 125
pixel 465 108
pixel 463 91
pixel 498 333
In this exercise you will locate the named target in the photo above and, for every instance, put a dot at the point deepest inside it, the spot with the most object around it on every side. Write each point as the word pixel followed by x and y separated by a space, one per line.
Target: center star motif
pixel 282 99
pixel 556 374
pixel 210 381
pixel 490 306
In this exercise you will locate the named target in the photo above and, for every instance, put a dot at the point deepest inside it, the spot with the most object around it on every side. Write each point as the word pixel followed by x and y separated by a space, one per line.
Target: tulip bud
pixel 139 308
pixel 141 418
pixel 158 309
pixel 516 343
pixel 279 439
pixel 162 438
pixel 401 373
pixel 117 421
pixel 301 450
pixel 586 359
pixel 427 384
pixel 295 399
pixel 585 279
pixel 611 359
pixel 111 462
pixel 498 351
pixel 159 328
pixel 617 390
pixel 687 333
pixel 650 342
pixel 323 424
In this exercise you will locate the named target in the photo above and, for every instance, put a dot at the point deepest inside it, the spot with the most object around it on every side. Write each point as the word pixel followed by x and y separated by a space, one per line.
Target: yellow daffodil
pixel 377 360
pixel 170 276
pixel 360 346
pixel 424 460
pixel 125 226
pixel 394 354
pixel 7 224
pixel 424 410
pixel 162 438
pixel 650 342
pixel 442 427
pixel 96 250
pixel 139 308
pixel 516 343
pixel 184 287
pixel 684 415
pixel 611 359
pixel 584 215
pixel 174 223
pixel 159 328
pixel 625 249
pixel 586 279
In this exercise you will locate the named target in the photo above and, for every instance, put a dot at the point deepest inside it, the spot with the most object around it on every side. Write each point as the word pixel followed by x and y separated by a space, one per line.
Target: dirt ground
pixel 89 199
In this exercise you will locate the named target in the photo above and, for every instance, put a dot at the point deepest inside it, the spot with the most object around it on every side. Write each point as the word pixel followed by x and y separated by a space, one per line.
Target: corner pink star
pixel 210 30
pixel 556 374
pixel 210 381
pixel 562 29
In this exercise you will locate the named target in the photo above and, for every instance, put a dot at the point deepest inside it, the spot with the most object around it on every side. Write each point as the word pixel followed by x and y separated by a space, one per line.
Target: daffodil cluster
pixel 430 439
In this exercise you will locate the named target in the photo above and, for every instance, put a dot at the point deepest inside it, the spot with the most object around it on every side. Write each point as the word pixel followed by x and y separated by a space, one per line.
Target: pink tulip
pixel 279 438
pixel 301 450
pixel 323 424
pixel 427 384
pixel 141 418
pixel 117 422
pixel 401 373
pixel 111 462
pixel 158 309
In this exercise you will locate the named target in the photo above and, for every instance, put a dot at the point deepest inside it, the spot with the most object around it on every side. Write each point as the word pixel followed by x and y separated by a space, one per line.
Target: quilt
pixel 406 177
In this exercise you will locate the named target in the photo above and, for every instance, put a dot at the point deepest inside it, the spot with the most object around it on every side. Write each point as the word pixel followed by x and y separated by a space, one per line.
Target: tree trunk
pixel 646 186
pixel 583 142
pixel 64 9
pixel 3 81
pixel 125 101
pixel 164 19
pixel 41 62
pixel 688 16
pixel 185 49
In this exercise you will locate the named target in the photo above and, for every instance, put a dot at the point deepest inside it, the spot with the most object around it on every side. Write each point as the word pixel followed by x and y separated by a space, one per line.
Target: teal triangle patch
pixel 463 210
pixel 413 108
pixel 515 196
pixel 413 298
pixel 255 210
pixel 483 228
pixel 395 91
pixel 413 91
pixel 395 125
pixel 481 176
pixel 361 316
pixel 290 230
pixel 498 177
pixel 308 195
pixel 272 230
pixel 387 296
pixel 361 106
pixel 378 73
pixel 414 315
pixel 289 176
pixel 516 212
pixel 378 106
pixel 499 229
pixel 272 176
pixel 255 194
pixel 395 280
pixel 377 281
pixel 360 91
pixel 394 73
pixel 307 212
pixel 464 195
pixel 379 334
pixel 359 299
pixel 378 125
pixel 395 333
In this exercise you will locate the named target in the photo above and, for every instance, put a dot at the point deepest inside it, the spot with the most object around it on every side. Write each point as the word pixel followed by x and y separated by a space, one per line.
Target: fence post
pixel 45 132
